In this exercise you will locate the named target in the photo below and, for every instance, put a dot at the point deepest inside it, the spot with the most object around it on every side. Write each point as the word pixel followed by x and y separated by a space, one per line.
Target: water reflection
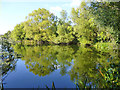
pixel 87 67
pixel 8 62
pixel 45 59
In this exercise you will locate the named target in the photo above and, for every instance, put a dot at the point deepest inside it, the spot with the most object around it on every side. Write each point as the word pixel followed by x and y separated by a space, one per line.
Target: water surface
pixel 59 66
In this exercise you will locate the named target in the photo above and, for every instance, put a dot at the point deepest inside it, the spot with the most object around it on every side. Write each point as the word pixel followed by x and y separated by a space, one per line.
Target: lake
pixel 57 66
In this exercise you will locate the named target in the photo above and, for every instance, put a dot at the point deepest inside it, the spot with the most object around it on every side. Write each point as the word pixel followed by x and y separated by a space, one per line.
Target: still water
pixel 54 66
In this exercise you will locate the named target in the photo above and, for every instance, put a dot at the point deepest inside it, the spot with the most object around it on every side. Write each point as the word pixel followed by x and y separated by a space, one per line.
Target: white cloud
pixel 55 10
pixel 75 3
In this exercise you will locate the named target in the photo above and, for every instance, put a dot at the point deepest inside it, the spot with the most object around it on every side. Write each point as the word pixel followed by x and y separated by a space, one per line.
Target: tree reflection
pixel 42 60
pixel 8 59
pixel 89 66
pixel 93 69
pixel 111 74
pixel 84 69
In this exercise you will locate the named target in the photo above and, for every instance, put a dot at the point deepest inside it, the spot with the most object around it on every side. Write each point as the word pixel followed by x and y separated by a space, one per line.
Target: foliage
pixel 89 24
pixel 107 18
pixel 40 24
pixel 94 24
pixel 87 67
pixel 18 33
pixel 7 35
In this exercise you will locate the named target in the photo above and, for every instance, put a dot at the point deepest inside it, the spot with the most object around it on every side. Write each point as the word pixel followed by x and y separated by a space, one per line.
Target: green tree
pixel 64 29
pixel 107 18
pixel 84 27
pixel 40 25
pixel 7 35
pixel 18 34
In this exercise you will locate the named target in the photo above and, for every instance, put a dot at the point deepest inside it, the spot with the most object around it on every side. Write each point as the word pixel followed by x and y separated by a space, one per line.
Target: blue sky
pixel 13 12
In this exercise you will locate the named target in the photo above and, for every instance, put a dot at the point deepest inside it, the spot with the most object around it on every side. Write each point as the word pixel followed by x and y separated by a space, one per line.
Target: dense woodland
pixel 92 23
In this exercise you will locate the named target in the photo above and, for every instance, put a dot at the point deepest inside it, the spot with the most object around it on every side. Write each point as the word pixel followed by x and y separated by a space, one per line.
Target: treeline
pixel 90 23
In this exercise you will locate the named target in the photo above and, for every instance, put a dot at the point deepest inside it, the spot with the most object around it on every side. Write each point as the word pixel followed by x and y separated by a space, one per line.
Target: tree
pixel 7 35
pixel 107 18
pixel 96 22
pixel 84 26
pixel 40 22
pixel 63 15
pixel 18 33
pixel 64 29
